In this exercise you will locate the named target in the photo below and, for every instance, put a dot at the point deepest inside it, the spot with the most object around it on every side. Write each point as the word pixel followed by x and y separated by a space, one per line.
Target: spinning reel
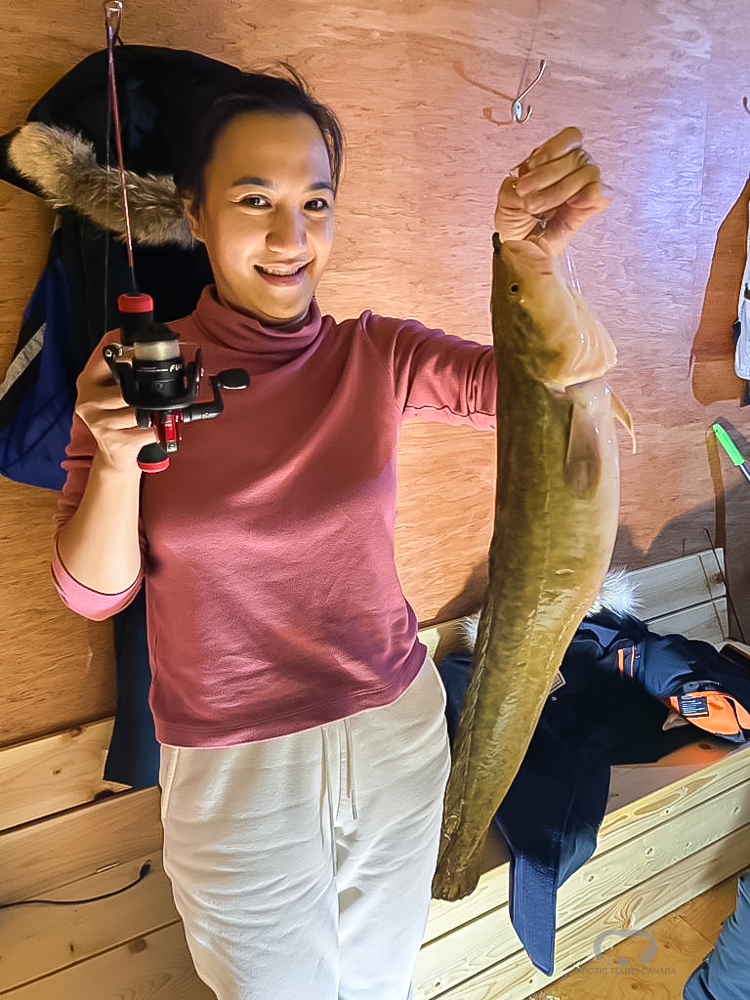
pixel 154 377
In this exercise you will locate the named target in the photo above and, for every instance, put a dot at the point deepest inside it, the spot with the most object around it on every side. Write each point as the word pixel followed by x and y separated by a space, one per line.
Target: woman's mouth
pixel 281 275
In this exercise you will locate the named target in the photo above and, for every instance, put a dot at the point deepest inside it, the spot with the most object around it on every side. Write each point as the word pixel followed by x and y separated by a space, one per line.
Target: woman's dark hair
pixel 263 92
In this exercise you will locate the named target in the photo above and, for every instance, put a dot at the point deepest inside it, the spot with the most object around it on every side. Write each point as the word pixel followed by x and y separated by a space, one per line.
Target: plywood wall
pixel 424 92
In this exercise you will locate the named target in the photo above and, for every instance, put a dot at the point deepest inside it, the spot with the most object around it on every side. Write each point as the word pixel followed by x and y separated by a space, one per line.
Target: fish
pixel 556 516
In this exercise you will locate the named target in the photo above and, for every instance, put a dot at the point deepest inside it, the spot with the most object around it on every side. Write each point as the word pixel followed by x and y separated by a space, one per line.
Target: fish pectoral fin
pixel 622 414
pixel 583 460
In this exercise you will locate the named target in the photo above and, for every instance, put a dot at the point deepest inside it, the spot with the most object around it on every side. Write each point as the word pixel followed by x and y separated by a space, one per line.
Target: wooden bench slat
pixel 50 853
pixel 40 940
pixel 491 938
pixel 620 827
pixel 156 966
pixel 54 773
pixel 513 977
pixel 679 583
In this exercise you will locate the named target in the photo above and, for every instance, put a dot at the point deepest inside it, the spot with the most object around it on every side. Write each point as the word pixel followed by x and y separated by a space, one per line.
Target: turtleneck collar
pixel 264 347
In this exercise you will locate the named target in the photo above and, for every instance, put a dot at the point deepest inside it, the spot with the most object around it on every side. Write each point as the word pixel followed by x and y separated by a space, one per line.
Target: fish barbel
pixel 556 517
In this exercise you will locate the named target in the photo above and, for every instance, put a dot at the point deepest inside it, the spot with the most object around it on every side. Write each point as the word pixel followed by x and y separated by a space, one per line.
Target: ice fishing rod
pixel 735 455
pixel 148 365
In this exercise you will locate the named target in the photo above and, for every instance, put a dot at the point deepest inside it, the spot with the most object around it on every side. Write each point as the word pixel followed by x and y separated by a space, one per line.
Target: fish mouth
pixel 526 249
pixel 525 257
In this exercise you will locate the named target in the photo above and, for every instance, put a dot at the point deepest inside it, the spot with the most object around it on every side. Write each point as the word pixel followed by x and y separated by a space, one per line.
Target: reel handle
pixel 153 458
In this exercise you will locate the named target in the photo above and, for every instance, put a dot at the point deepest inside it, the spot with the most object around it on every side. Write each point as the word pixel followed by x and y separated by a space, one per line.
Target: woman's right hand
pixel 110 419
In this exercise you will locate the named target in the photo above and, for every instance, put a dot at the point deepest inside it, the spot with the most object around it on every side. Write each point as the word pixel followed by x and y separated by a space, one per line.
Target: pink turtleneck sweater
pixel 273 602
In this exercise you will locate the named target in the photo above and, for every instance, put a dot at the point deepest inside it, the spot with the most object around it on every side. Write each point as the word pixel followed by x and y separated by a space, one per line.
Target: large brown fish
pixel 556 515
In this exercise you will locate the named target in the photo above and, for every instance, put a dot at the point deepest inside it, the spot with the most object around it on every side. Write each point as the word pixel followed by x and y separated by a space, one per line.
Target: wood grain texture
pixel 154 967
pixel 682 939
pixel 490 939
pixel 637 819
pixel 54 773
pixel 424 93
pixel 40 940
pixel 493 974
pixel 71 845
pixel 56 669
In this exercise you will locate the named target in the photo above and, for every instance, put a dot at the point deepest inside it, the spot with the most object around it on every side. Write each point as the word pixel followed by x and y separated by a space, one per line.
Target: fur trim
pixel 618 595
pixel 64 167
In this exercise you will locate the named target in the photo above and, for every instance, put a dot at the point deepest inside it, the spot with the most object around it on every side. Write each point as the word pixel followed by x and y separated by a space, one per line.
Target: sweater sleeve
pixel 84 601
pixel 437 376
pixel 79 598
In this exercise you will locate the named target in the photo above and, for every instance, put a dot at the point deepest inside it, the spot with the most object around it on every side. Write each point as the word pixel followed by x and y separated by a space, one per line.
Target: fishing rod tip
pixel 113 14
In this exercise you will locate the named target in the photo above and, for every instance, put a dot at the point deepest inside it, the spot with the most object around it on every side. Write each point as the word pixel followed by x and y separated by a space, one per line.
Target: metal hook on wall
pixel 746 104
pixel 517 107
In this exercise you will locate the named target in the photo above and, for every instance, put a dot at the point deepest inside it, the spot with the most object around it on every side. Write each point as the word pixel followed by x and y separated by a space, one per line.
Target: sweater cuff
pixel 89 603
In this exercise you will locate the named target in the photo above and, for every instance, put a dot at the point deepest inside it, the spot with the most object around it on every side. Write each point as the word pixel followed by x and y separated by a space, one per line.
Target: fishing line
pixel 570 264
pixel 107 216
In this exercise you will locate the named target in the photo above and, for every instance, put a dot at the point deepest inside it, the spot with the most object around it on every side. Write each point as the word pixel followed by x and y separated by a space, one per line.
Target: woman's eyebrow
pixel 273 186
pixel 255 182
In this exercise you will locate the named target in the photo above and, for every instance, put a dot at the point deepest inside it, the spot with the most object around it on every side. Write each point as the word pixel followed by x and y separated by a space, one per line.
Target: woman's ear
pixel 192 214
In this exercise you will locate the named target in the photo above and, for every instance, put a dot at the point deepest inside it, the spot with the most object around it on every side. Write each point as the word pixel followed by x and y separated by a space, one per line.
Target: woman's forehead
pixel 270 147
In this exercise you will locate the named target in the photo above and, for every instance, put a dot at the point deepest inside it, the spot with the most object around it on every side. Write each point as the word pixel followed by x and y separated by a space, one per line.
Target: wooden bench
pixel 673 830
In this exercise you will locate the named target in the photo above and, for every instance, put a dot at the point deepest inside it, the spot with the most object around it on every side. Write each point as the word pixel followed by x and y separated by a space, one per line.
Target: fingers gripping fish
pixel 556 515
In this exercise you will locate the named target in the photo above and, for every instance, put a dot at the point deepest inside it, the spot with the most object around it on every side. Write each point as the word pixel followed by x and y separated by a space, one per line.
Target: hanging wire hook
pixel 746 104
pixel 517 110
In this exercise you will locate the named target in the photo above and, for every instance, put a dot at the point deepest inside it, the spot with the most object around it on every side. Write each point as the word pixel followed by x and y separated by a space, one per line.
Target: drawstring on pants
pixel 329 799
pixel 351 792
pixel 347 788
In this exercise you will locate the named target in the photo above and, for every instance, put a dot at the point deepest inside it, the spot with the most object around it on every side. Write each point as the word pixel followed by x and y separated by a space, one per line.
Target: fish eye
pixel 514 288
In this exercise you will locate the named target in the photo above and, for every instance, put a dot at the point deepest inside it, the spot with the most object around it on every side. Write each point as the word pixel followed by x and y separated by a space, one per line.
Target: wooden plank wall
pixel 424 94
pixel 658 92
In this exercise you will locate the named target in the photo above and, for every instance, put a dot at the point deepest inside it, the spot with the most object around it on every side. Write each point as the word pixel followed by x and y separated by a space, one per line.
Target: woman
pixel 304 753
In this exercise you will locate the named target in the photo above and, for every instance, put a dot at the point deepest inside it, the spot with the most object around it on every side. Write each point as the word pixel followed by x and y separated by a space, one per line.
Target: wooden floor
pixel 682 937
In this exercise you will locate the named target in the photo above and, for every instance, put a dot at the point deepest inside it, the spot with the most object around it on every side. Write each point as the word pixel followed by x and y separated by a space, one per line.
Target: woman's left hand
pixel 559 184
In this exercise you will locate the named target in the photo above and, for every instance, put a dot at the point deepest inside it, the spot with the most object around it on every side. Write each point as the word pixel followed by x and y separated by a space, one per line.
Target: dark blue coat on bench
pixel 606 710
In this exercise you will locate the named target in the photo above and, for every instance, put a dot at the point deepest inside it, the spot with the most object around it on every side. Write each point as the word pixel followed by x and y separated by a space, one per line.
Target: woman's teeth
pixel 281 272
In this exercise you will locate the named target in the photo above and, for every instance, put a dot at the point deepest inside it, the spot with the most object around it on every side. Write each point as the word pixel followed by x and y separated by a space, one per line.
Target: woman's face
pixel 267 215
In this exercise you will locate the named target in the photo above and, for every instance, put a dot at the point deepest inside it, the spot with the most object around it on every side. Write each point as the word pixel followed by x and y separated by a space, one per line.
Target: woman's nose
pixel 287 231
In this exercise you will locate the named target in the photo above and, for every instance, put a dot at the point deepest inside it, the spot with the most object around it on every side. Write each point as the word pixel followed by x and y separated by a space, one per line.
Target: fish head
pixel 541 321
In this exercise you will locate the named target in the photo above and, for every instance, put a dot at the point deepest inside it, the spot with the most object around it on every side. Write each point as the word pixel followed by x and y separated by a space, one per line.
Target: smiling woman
pixel 303 743
pixel 267 214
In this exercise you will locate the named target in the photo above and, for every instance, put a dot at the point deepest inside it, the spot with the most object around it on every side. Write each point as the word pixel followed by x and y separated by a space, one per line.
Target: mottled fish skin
pixel 556 515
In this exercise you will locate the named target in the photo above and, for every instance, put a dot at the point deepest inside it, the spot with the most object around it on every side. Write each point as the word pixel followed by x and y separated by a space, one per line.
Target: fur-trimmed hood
pixel 64 168
pixel 65 151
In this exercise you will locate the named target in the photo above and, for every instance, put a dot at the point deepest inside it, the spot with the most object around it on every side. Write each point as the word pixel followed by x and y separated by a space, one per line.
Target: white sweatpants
pixel 301 866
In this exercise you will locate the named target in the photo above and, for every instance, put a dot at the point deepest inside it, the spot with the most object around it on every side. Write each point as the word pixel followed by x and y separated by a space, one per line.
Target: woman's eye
pixel 254 201
pixel 316 205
